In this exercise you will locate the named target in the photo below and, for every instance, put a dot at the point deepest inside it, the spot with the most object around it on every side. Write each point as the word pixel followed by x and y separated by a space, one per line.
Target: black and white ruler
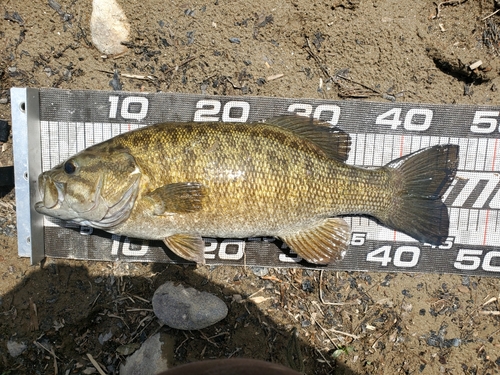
pixel 49 125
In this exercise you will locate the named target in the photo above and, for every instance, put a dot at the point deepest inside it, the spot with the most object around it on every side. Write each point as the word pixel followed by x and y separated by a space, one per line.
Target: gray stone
pixel 15 348
pixel 153 356
pixel 187 308
pixel 109 27
pixel 260 271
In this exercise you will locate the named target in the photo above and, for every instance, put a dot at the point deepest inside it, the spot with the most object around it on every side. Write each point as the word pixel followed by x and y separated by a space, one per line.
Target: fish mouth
pixel 51 194
pixel 99 214
pixel 54 203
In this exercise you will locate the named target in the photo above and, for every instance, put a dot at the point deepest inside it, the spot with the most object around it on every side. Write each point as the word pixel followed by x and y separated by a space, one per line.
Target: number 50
pixel 488 121
pixel 470 259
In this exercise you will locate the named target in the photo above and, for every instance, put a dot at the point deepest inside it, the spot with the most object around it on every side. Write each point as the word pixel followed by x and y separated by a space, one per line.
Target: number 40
pixel 382 255
pixel 416 119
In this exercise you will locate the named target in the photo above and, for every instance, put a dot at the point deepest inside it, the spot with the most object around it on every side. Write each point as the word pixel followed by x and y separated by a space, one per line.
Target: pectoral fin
pixel 323 243
pixel 187 246
pixel 182 197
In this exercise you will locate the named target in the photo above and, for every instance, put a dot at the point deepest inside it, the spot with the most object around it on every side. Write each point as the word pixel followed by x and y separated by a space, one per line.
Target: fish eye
pixel 69 167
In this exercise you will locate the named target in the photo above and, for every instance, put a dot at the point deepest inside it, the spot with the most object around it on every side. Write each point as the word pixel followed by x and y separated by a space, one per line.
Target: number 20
pixel 242 110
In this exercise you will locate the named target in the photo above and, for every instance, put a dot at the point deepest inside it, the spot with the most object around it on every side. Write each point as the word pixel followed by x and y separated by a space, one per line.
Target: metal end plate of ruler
pixel 50 125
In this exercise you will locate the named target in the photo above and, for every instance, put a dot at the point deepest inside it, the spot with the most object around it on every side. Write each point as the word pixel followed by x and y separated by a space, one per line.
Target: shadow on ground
pixel 60 313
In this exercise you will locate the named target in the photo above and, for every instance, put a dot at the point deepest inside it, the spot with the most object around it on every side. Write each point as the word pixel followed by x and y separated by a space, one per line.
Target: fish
pixel 232 366
pixel 285 177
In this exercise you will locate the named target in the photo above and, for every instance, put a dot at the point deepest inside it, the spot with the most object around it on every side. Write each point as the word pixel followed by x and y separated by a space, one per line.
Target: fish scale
pixel 286 177
pixel 264 183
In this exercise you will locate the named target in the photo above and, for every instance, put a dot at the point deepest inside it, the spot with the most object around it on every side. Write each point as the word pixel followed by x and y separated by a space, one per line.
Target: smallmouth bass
pixel 285 177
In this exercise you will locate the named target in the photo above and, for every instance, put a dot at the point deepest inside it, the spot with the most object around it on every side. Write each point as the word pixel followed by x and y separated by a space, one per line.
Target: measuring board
pixel 50 125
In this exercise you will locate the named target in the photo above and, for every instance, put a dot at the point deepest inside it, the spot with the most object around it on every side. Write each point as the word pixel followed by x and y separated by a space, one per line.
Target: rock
pixel 260 271
pixel 109 27
pixel 187 308
pixel 127 349
pixel 152 357
pixel 15 348
pixel 104 337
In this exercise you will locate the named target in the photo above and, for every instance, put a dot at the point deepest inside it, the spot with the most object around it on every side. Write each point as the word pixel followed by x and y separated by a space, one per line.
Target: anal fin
pixel 323 243
pixel 189 247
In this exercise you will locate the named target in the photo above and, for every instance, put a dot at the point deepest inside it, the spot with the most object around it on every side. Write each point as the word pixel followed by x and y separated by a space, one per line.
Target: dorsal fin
pixel 333 141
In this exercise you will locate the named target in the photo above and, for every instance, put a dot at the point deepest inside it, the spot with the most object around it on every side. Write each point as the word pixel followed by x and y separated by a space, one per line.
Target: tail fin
pixel 421 179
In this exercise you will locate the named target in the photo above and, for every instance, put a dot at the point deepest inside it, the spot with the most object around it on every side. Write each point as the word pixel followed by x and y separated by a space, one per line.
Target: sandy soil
pixel 364 323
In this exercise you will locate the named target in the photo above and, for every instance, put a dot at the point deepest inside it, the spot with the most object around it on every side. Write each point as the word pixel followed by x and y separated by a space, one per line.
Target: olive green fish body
pixel 285 178
pixel 252 182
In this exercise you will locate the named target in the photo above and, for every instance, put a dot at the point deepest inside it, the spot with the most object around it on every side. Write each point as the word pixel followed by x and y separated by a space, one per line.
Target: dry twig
pixel 340 75
pixel 181 64
pixel 132 76
pixel 490 15
pixel 275 76
pixel 34 325
pixel 51 351
pixel 486 312
pixel 450 2
pixel 95 364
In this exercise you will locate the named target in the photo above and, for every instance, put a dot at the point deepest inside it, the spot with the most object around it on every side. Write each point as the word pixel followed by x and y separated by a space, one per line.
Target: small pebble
pixel 190 37
pixel 149 359
pixel 109 27
pixel 187 308
pixel 307 286
pixel 235 40
pixel 387 281
pixel 127 349
pixel 260 271
pixel 466 281
pixel 115 82
pixel 15 348
pixel 260 81
pixel 406 293
pixel 104 337
pixel 407 307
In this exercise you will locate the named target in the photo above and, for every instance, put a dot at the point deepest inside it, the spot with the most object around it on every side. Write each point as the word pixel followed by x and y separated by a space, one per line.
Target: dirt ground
pixel 361 323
